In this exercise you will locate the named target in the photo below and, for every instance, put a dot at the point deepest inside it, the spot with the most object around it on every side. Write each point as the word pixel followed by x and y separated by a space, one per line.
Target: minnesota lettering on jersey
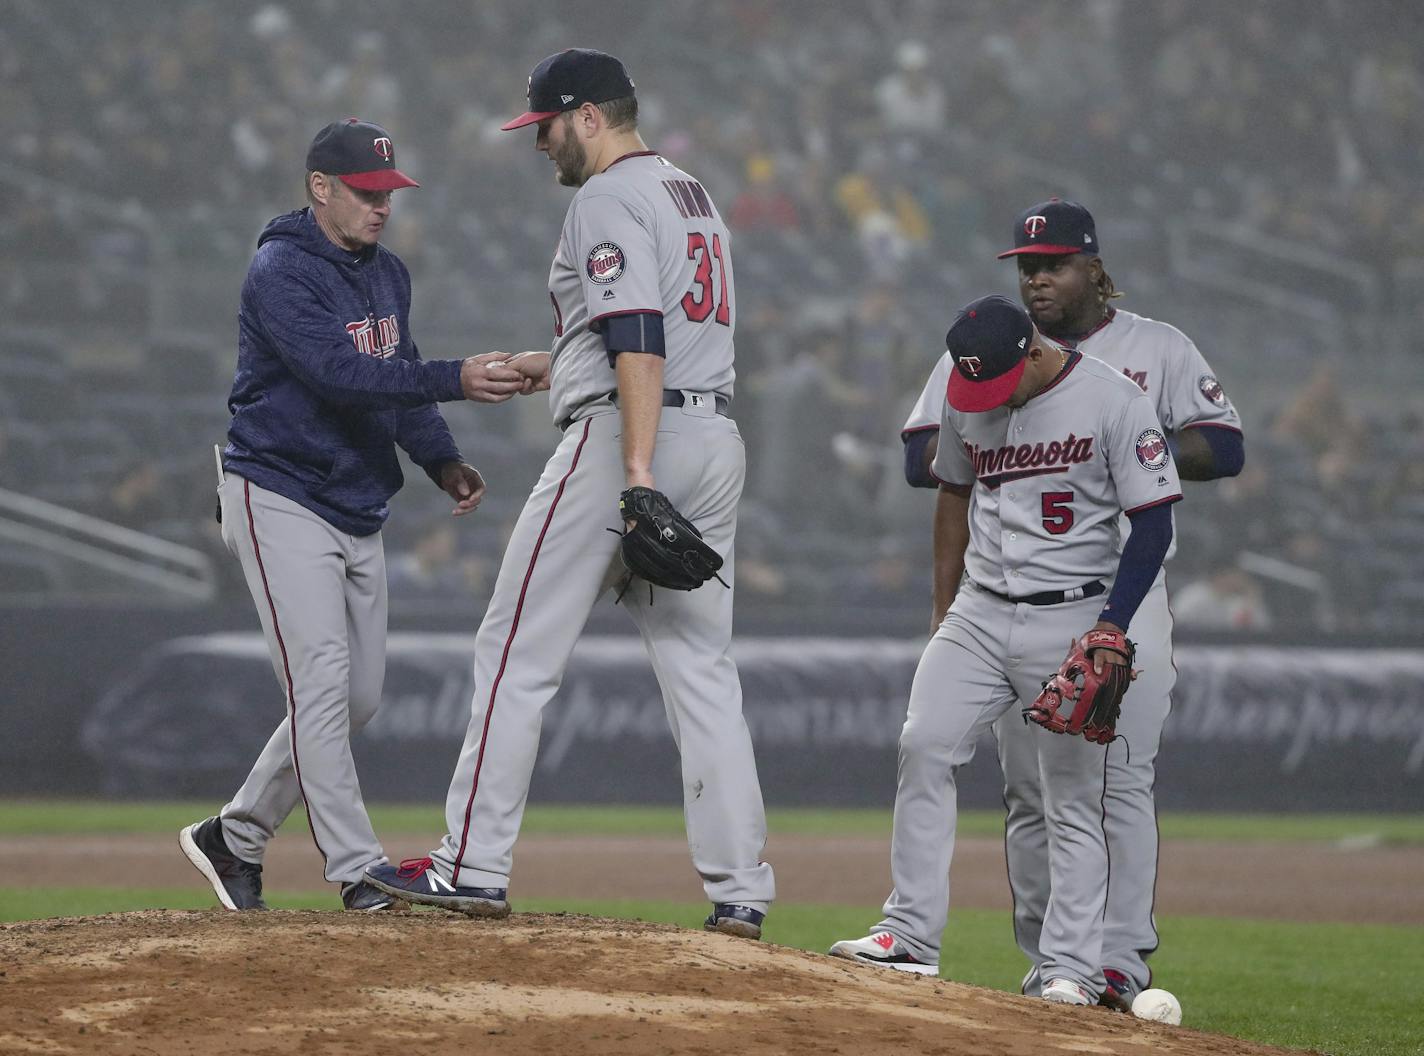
pixel 995 466
pixel 375 337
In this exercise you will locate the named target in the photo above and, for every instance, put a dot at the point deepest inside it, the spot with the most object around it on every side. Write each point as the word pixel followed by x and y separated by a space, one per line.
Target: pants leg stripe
pixel 508 644
pixel 286 666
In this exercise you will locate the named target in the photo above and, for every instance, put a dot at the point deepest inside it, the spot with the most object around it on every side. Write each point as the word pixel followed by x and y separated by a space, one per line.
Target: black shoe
pixel 361 897
pixel 741 921
pixel 237 884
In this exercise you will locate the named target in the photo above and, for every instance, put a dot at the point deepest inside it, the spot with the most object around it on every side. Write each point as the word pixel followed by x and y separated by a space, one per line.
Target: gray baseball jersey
pixel 641 236
pixel 1054 476
pixel 1049 480
pixel 1184 389
pixel 1161 359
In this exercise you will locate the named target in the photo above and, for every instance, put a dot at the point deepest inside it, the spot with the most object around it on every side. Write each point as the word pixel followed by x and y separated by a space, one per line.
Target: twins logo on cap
pixel 1152 449
pixel 1034 225
pixel 605 263
pixel 383 147
pixel 1212 390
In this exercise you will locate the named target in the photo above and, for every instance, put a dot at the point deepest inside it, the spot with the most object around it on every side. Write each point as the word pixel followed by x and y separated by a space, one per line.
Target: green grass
pixel 1347 990
pixel 37 817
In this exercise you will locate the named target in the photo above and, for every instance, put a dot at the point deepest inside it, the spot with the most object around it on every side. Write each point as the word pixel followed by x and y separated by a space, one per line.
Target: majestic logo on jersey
pixel 383 147
pixel 1034 225
pixel 1212 390
pixel 375 337
pixel 995 466
pixel 605 263
pixel 971 365
pixel 1152 449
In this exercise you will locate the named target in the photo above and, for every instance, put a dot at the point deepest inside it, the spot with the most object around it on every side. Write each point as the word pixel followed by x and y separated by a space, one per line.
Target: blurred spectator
pixel 1227 600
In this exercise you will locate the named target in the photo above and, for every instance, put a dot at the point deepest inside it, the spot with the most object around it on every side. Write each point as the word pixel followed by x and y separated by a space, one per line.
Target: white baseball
pixel 1161 1006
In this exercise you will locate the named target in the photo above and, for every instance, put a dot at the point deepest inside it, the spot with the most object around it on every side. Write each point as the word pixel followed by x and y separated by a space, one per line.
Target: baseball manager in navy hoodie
pixel 328 382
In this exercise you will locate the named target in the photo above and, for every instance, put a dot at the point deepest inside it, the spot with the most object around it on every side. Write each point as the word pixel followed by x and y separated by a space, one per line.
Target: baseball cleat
pixel 415 880
pixel 237 884
pixel 1067 992
pixel 884 950
pixel 361 897
pixel 741 921
pixel 1119 991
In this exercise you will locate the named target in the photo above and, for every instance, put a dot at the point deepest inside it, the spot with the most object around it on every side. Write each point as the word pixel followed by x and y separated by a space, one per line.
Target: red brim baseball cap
pixel 967 395
pixel 989 343
pixel 568 79
pixel 528 118
pixel 379 180
pixel 1046 251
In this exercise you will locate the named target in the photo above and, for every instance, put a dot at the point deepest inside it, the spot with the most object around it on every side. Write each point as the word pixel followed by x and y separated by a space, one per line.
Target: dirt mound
pixel 314 983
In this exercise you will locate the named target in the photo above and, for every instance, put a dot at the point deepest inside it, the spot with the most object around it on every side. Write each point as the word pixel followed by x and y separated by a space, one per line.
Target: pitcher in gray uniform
pixel 641 379
pixel 1064 285
pixel 1042 450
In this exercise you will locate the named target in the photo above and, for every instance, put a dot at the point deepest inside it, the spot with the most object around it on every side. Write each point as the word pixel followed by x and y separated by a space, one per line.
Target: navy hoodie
pixel 328 378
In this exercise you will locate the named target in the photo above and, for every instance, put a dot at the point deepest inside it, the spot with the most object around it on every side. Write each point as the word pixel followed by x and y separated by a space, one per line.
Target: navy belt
pixel 671 398
pixel 1053 597
pixel 676 398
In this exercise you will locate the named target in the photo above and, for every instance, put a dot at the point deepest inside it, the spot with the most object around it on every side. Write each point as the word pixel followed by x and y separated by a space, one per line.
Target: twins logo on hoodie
pixel 375 337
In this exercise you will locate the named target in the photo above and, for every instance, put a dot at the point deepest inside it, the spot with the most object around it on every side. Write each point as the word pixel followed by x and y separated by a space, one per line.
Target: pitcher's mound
pixel 284 982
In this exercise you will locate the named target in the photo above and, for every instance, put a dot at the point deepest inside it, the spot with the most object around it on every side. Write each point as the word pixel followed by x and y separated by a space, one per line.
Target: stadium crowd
pixel 870 158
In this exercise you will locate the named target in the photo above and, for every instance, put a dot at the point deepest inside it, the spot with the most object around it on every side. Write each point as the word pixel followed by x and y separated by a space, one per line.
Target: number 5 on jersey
pixel 699 307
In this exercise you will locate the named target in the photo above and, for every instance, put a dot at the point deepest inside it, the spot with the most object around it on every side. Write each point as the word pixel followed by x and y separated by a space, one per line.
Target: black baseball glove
pixel 663 546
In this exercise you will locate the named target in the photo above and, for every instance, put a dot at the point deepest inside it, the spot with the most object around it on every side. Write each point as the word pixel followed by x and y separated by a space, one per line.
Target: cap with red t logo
pixel 359 152
pixel 989 343
pixel 1054 228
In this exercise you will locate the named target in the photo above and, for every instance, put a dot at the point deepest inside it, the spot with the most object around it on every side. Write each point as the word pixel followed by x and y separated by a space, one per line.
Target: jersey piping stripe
pixel 1074 358
pixel 1149 505
pixel 286 666
pixel 631 154
pixel 1074 342
pixel 508 644
pixel 917 429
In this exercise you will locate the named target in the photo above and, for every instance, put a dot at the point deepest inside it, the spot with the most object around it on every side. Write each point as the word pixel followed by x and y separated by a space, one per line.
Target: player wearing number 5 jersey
pixel 1041 451
pixel 641 378
pixel 1068 293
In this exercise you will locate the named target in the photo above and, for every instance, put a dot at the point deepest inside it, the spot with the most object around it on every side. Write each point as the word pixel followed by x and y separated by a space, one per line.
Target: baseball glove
pixel 664 547
pixel 1076 700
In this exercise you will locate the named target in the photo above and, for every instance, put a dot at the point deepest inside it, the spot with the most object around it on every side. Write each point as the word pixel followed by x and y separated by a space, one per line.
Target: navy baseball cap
pixel 1054 228
pixel 568 79
pixel 361 153
pixel 989 342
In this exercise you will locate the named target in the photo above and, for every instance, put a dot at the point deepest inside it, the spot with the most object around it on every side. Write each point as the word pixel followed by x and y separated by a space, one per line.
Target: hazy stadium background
pixel 1254 168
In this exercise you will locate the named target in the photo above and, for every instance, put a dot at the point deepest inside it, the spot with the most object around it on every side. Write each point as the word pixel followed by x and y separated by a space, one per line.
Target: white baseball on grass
pixel 1160 1006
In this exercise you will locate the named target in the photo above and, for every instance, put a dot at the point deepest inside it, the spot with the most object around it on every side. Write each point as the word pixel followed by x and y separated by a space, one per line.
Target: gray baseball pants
pixel 321 598
pixel 561 557
pixel 1129 810
pixel 987 660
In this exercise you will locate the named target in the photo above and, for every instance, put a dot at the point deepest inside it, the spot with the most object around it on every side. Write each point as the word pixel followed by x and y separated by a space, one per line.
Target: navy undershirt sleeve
pixel 1140 562
pixel 634 332
pixel 917 473
pixel 1228 448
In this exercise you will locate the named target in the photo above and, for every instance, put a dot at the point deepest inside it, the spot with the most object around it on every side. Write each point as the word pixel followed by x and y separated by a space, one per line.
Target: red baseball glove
pixel 1077 699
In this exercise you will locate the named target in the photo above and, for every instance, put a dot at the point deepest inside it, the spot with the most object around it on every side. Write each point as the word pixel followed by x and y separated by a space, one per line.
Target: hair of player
pixel 1106 290
pixel 620 113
